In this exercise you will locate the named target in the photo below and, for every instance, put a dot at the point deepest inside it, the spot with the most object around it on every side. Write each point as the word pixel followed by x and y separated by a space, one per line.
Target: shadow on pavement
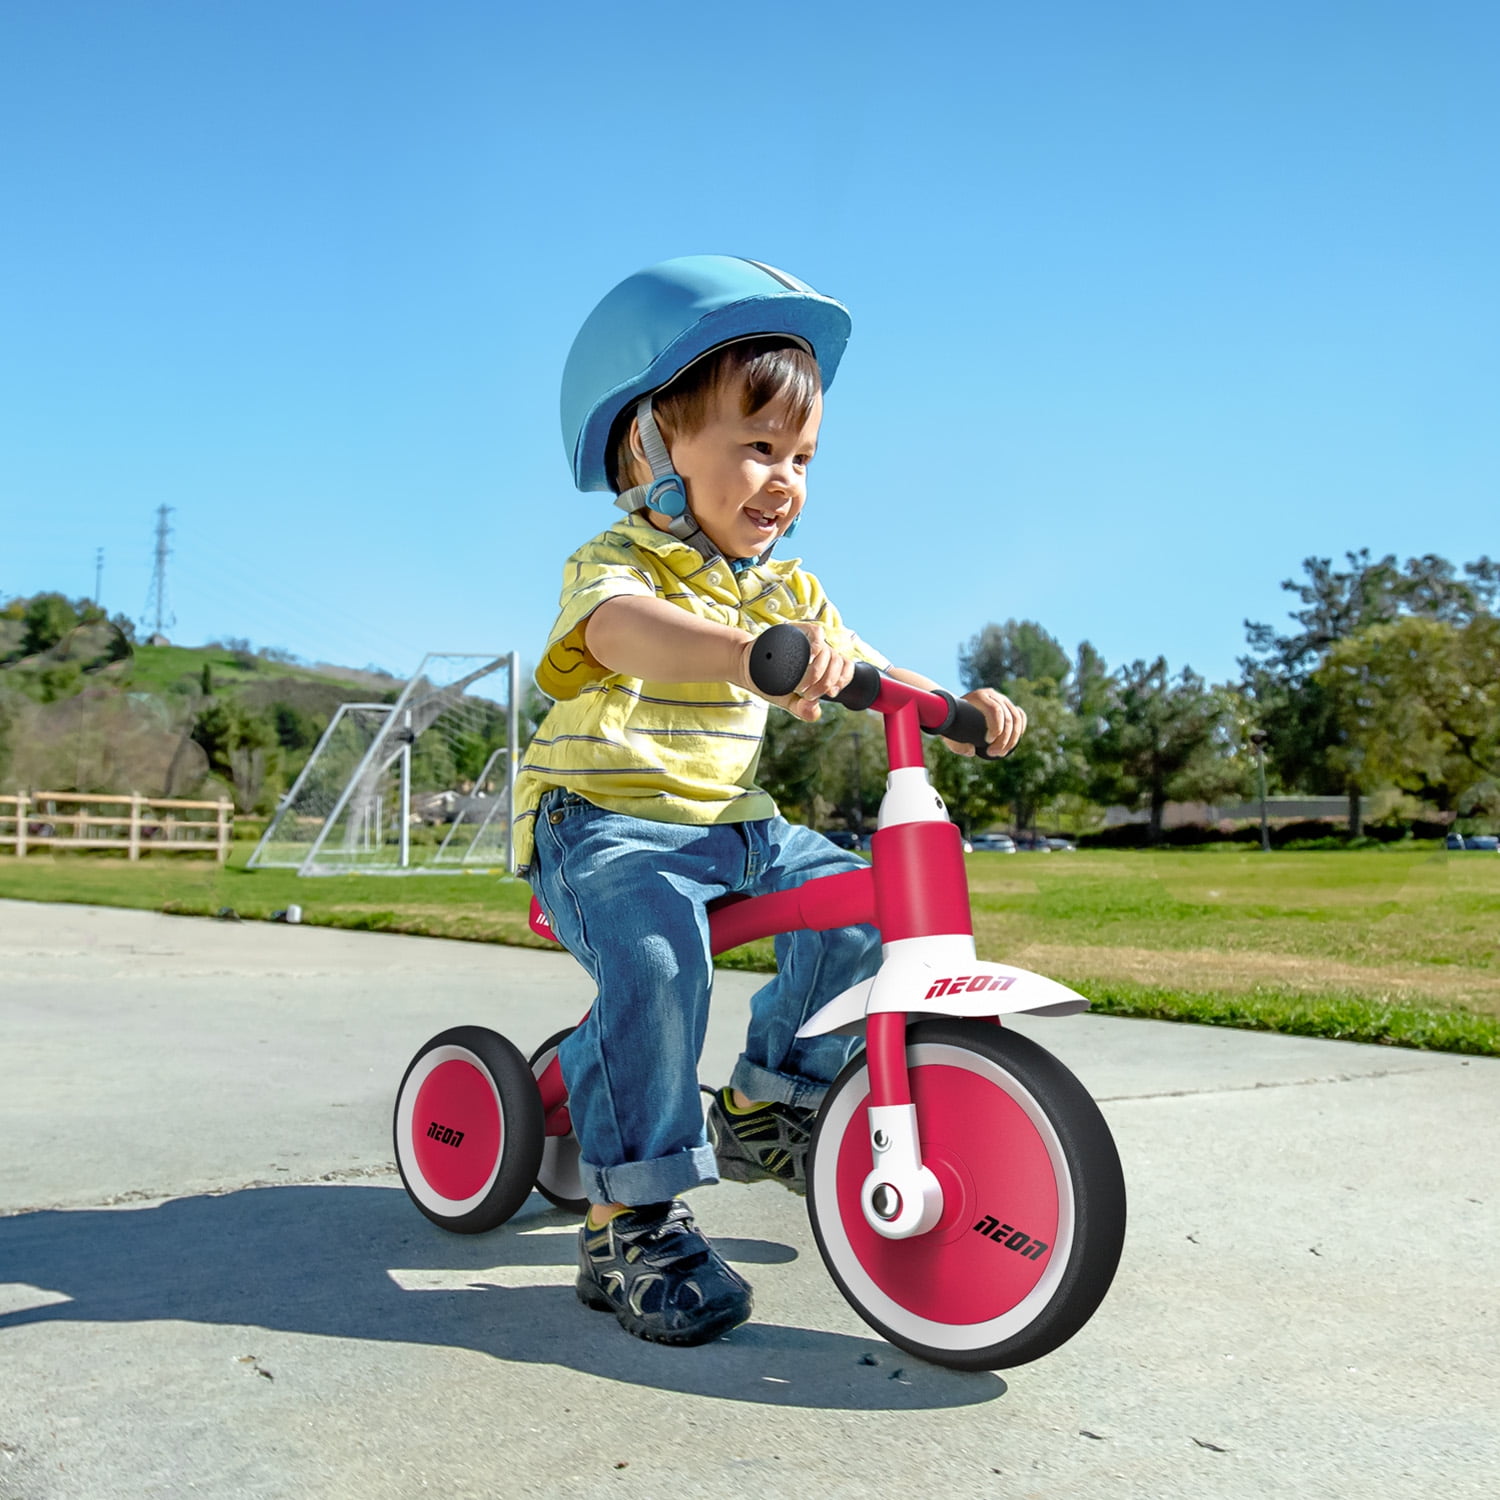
pixel 320 1260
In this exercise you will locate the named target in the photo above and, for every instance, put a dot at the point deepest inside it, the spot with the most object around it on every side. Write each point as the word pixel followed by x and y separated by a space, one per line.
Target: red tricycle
pixel 964 1189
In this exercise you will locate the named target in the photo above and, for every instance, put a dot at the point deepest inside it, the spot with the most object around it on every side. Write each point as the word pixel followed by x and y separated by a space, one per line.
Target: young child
pixel 695 391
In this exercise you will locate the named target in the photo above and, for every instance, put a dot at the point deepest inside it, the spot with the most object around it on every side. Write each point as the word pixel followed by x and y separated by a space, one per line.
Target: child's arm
pixel 654 640
pixel 657 641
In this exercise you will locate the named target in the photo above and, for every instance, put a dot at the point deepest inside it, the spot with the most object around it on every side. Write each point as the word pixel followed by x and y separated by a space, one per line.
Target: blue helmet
pixel 656 323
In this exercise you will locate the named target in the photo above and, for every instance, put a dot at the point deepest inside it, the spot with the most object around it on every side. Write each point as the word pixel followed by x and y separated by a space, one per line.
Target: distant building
pixel 1207 814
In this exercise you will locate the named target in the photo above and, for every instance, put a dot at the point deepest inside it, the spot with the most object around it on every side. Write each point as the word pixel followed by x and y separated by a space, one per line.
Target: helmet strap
pixel 666 494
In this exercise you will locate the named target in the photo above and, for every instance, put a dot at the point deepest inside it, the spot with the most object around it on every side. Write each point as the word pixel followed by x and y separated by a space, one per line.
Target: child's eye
pixel 762 448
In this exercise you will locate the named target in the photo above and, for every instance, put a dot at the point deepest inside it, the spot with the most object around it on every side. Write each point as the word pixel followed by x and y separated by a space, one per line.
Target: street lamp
pixel 1258 738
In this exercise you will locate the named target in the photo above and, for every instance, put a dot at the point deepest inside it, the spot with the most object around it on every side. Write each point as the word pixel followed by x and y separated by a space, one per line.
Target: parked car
pixel 1487 841
pixel 994 843
pixel 1061 846
pixel 841 838
pixel 1032 843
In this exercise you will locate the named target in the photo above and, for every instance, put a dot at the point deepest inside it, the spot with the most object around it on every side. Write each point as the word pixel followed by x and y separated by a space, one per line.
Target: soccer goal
pixel 423 785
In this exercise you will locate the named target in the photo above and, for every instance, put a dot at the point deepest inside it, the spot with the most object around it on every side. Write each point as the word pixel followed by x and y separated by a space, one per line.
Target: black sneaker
pixel 767 1144
pixel 661 1279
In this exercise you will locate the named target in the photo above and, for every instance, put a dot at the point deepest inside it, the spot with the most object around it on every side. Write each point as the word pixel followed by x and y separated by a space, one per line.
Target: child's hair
pixel 768 368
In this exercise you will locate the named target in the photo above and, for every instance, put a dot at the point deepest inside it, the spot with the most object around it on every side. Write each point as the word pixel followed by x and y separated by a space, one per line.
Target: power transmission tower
pixel 98 575
pixel 156 595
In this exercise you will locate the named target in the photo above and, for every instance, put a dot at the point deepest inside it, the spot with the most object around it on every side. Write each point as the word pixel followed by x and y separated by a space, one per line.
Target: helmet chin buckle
pixel 667 495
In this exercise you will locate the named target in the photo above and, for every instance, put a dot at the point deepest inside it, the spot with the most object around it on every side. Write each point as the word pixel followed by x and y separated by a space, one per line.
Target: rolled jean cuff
pixel 636 1182
pixel 761 1084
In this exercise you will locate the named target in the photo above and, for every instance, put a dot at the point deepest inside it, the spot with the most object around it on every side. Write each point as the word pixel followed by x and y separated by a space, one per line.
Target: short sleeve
pixel 602 570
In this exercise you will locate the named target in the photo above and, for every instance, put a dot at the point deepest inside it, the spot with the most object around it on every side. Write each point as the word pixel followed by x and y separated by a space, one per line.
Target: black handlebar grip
pixel 778 660
pixel 863 689
pixel 966 724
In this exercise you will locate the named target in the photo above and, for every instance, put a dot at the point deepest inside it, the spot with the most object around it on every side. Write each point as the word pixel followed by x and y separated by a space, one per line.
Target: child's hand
pixel 828 673
pixel 1005 721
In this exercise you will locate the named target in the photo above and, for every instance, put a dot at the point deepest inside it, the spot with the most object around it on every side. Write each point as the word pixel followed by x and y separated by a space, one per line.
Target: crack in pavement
pixel 1284 1083
pixel 157 1195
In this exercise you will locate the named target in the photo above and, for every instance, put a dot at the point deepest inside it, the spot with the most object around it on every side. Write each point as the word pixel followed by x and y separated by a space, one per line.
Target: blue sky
pixel 1150 301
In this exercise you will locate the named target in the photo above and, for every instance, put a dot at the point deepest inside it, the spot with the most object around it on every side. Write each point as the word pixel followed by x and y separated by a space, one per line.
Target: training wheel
pixel 468 1129
pixel 558 1179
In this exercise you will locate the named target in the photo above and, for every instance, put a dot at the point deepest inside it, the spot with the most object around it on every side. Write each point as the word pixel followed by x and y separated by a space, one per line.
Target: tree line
pixel 1387 679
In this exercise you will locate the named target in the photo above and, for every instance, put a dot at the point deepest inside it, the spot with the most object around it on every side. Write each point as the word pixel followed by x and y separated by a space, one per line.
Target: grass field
pixel 1398 945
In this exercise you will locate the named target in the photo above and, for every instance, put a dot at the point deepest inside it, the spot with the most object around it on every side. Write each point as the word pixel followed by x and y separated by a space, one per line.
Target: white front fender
pixel 940 976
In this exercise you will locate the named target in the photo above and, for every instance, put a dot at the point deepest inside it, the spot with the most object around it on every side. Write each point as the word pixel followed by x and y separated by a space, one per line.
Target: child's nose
pixel 784 477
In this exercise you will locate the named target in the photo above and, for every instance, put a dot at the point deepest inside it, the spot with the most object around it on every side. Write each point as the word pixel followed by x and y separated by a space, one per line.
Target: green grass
pixel 157 669
pixel 1399 945
pixel 479 907
pixel 1336 1016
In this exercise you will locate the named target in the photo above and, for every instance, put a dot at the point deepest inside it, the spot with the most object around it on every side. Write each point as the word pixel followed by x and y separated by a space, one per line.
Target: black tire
pixel 1034 1201
pixel 468 1129
pixel 557 1178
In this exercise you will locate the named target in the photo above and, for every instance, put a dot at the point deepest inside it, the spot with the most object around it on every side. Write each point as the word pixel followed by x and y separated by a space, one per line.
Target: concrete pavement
pixel 212 1284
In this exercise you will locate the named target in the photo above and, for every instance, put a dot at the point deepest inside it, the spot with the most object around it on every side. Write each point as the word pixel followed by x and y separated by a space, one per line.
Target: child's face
pixel 747 476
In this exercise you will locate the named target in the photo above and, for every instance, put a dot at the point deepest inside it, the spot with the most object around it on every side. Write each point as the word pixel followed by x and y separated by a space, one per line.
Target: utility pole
pixel 98 575
pixel 156 597
pixel 1258 738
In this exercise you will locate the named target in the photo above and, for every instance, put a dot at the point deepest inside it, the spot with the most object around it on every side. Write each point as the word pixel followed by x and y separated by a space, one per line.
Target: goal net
pixel 421 785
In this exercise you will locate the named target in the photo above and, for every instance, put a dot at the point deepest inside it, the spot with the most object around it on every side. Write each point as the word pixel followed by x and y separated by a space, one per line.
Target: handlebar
pixel 778 662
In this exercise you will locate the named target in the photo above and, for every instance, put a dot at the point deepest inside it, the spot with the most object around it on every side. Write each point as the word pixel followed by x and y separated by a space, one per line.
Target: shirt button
pixel 774 607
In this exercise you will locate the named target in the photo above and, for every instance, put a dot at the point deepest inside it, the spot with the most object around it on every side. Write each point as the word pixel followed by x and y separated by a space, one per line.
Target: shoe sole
pixel 687 1338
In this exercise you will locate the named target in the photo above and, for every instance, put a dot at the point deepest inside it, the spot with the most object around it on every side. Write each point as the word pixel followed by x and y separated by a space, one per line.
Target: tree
pixel 1308 747
pixel 48 618
pixel 967 785
pixel 1418 704
pixel 1279 676
pixel 1019 650
pixel 239 746
pixel 1049 761
pixel 294 730
pixel 834 767
pixel 789 762
pixel 1166 740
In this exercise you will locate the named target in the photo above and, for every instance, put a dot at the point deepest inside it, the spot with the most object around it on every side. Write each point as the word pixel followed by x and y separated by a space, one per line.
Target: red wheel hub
pixel 456 1129
pixel 1000 1196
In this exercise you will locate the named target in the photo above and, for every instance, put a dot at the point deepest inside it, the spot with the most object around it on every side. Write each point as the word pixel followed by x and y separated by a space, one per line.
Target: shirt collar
pixel 687 557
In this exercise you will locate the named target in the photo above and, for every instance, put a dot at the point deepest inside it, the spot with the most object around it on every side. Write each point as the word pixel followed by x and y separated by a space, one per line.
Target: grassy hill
pixel 85 707
pixel 253 676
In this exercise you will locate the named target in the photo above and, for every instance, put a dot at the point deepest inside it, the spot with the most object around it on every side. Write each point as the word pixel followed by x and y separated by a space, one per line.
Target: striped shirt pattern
pixel 674 752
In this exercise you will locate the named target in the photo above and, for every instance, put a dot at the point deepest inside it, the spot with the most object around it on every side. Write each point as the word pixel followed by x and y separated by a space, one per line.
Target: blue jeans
pixel 626 897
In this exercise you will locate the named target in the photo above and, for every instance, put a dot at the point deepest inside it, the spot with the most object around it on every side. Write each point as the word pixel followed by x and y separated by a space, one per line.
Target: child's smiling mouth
pixel 763 520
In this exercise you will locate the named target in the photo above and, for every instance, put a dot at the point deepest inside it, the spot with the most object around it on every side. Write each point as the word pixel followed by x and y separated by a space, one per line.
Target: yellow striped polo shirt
pixel 674 752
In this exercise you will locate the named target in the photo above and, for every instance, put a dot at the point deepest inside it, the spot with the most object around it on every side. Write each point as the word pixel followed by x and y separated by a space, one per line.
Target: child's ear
pixel 640 465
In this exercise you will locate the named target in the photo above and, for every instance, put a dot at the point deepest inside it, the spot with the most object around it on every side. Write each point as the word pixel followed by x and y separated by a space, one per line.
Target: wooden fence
pixel 34 821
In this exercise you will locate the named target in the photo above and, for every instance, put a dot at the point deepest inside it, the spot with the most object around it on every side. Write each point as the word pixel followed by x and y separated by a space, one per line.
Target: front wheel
pixel 1033 1201
pixel 468 1129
